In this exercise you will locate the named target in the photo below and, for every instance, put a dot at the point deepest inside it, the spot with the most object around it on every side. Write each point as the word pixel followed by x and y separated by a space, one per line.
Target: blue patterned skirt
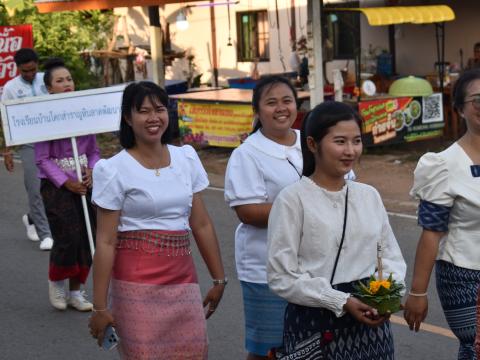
pixel 317 333
pixel 457 289
pixel 264 313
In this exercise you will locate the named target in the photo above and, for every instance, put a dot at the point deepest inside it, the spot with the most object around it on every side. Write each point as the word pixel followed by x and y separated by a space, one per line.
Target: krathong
pixel 383 295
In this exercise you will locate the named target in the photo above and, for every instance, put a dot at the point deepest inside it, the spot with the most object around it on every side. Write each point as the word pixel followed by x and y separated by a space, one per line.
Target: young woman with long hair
pixel 323 233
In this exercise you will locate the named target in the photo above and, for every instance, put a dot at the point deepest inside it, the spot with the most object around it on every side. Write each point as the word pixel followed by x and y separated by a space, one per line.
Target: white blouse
pixel 148 201
pixel 256 172
pixel 446 179
pixel 304 233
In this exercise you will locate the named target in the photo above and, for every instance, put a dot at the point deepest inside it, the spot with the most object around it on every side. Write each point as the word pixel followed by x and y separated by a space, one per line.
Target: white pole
pixel 84 198
pixel 315 60
pixel 156 50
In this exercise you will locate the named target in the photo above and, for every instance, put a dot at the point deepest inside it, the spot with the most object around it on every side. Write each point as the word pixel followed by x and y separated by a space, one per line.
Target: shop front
pixel 392 117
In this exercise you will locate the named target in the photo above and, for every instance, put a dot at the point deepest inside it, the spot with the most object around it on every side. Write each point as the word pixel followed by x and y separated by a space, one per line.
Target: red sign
pixel 12 39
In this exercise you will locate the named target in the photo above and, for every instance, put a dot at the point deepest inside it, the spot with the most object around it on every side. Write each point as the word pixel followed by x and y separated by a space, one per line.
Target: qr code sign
pixel 432 108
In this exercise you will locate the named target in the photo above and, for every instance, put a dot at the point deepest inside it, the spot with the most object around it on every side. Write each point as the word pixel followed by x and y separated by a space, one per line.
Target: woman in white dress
pixel 448 187
pixel 323 233
pixel 149 200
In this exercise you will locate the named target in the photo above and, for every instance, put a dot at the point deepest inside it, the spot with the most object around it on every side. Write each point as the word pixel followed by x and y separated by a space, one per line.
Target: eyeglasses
pixel 475 102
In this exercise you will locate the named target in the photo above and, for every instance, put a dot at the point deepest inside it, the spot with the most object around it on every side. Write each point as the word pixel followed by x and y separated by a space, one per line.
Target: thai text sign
pixel 217 124
pixel 12 39
pixel 402 119
pixel 60 116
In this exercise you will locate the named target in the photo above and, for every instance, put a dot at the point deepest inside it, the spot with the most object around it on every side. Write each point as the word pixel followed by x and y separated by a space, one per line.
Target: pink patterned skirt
pixel 155 297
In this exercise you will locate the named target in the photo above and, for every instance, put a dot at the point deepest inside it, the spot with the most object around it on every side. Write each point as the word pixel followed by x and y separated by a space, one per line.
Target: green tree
pixel 63 34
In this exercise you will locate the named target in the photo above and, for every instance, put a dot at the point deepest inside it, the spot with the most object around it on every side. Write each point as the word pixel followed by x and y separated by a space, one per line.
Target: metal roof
pixel 390 15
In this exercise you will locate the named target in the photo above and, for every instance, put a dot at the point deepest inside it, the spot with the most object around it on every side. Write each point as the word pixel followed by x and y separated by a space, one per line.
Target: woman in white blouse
pixel 268 160
pixel 149 201
pixel 448 187
pixel 306 225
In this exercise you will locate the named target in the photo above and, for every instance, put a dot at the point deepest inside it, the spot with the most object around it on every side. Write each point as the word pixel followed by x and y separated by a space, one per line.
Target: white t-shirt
pixel 256 172
pixel 305 231
pixel 446 179
pixel 148 201
pixel 18 88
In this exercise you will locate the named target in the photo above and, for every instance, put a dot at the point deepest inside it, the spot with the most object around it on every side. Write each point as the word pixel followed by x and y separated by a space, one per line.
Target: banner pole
pixel 84 198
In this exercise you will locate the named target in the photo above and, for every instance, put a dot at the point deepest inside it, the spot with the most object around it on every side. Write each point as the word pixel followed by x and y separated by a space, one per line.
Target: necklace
pixel 145 162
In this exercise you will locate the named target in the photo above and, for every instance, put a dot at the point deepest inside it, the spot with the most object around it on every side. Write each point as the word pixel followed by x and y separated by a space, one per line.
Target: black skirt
pixel 317 333
pixel 70 257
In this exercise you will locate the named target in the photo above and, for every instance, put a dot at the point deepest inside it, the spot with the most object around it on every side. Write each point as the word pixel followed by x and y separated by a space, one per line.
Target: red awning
pixel 47 6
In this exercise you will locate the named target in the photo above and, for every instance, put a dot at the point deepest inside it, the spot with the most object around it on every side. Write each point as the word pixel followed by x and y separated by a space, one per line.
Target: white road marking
pixel 402 215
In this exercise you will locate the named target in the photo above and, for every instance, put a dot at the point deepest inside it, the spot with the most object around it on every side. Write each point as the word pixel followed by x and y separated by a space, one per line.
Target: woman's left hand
pixel 213 298
pixel 87 178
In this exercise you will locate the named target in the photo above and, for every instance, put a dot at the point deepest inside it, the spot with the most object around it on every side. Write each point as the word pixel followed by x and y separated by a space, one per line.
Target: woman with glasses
pixel 448 187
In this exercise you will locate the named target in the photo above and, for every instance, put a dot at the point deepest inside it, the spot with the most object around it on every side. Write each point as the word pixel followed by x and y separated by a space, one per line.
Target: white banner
pixel 59 116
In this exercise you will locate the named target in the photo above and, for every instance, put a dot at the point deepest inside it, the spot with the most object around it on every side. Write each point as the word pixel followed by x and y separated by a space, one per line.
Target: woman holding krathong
pixel 323 233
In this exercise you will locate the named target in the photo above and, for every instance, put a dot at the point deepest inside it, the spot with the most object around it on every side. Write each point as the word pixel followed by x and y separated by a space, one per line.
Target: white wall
pixel 197 39
pixel 377 36
pixel 415 44
pixel 416 51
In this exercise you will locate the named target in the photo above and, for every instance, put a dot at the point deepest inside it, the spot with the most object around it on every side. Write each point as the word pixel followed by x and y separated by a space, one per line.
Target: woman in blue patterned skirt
pixel 322 223
pixel 448 187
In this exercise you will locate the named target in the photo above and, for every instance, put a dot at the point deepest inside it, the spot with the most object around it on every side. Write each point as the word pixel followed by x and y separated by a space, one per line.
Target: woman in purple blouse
pixel 70 256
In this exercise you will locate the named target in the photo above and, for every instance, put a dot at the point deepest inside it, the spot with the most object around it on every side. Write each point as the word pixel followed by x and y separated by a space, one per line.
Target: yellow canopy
pixel 391 15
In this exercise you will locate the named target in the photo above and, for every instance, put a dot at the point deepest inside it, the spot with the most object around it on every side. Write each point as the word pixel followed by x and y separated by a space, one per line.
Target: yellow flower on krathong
pixel 375 285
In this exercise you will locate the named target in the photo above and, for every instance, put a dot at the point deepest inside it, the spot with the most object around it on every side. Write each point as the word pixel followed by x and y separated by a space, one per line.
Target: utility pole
pixel 315 58
pixel 214 44
pixel 156 49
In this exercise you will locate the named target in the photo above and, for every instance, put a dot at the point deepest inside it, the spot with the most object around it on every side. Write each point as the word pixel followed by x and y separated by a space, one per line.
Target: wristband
pixel 417 294
pixel 220 281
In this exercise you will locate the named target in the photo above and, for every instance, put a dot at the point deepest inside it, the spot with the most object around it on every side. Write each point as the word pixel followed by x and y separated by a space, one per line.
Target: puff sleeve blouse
pixel 304 234
pixel 148 201
pixel 448 187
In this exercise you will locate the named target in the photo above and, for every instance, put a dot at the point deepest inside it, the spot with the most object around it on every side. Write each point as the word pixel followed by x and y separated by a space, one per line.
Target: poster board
pixel 215 124
pixel 59 116
pixel 401 119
